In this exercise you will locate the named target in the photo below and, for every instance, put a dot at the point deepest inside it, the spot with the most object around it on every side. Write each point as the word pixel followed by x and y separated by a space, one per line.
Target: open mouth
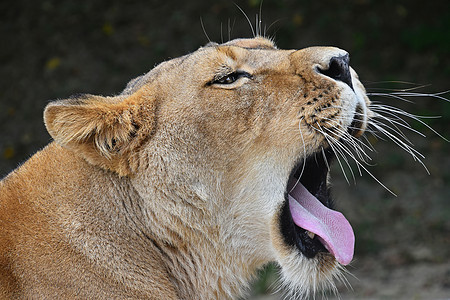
pixel 307 220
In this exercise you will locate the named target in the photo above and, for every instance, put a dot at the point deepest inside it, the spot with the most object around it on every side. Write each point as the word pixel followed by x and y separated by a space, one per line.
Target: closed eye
pixel 230 78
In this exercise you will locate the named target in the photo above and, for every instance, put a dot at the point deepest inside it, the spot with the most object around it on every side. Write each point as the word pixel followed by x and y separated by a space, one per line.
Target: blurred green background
pixel 53 49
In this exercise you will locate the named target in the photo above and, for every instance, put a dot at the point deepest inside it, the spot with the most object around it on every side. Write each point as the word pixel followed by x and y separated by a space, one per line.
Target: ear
pixel 106 131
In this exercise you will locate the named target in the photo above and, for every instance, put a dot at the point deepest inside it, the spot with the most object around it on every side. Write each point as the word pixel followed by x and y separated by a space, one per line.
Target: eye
pixel 230 78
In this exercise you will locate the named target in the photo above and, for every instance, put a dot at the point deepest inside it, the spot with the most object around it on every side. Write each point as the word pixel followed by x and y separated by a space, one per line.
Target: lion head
pixel 229 149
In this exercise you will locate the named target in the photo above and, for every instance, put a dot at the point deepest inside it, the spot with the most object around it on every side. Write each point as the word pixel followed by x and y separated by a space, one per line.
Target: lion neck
pixel 174 232
pixel 194 230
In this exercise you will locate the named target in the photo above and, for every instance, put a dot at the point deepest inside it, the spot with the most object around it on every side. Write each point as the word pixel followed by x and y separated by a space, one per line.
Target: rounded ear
pixel 106 131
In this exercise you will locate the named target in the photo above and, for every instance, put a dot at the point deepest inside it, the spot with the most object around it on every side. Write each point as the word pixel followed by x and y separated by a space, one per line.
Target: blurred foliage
pixel 266 282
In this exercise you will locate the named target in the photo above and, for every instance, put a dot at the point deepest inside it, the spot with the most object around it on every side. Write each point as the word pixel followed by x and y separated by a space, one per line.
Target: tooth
pixel 310 234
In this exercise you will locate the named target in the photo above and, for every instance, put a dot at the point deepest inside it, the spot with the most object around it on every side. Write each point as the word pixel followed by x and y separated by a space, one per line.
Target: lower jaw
pixel 304 277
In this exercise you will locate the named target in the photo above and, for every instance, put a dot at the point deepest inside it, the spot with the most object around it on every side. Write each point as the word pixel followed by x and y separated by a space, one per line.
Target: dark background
pixel 53 49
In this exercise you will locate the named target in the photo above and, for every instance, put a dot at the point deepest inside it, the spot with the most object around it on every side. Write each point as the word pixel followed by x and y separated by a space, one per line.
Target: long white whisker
pixel 368 172
pixel 402 124
pixel 339 149
pixel 337 157
pixel 325 159
pixel 389 96
pixel 229 30
pixel 204 30
pixel 367 83
pixel 336 150
pixel 394 126
pixel 248 20
pixel 257 25
pixel 353 143
pixel 351 140
pixel 338 144
pixel 400 111
pixel 381 128
pixel 413 117
pixel 404 146
pixel 400 90
pixel 270 26
pixel 391 112
pixel 435 95
pixel 369 144
pixel 260 18
pixel 374 132
pixel 304 155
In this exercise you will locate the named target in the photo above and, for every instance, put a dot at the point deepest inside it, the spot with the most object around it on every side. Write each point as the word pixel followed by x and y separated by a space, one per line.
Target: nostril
pixel 338 69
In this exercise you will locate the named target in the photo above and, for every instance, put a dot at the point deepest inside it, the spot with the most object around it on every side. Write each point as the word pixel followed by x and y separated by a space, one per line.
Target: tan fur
pixel 172 189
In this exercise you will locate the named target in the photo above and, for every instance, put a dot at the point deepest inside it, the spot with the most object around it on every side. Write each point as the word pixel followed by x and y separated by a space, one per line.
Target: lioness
pixel 198 174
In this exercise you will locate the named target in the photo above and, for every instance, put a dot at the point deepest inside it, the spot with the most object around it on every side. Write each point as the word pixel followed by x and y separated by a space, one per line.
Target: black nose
pixel 338 69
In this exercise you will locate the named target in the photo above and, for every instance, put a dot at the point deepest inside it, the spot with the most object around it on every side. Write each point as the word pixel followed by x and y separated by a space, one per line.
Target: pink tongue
pixel 333 229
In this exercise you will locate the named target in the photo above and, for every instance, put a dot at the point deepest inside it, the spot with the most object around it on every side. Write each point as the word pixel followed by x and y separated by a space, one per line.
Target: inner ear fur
pixel 106 131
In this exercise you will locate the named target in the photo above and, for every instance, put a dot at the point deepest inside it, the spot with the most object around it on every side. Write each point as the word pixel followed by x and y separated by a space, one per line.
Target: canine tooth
pixel 310 234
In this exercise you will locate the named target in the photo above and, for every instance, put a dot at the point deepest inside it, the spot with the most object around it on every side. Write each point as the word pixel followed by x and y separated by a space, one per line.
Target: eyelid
pixel 239 74
pixel 243 74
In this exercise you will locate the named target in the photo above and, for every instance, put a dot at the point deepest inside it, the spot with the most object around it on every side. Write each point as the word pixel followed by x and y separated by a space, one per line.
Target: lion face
pixel 230 147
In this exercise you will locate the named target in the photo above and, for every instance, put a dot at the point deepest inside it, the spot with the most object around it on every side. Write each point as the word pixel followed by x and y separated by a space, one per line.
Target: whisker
pixel 229 30
pixel 257 25
pixel 400 111
pixel 204 30
pixel 304 155
pixel 336 151
pixel 393 122
pixel 260 18
pixel 338 144
pixel 432 95
pixel 368 172
pixel 353 143
pixel 248 20
pixel 394 126
pixel 400 90
pixel 366 83
pixel 271 24
pixel 383 128
pixel 339 161
pixel 401 94
pixel 413 152
pixel 369 144
pixel 411 116
pixel 325 158
pixel 389 96
pixel 356 143
pixel 340 150
pixel 374 132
